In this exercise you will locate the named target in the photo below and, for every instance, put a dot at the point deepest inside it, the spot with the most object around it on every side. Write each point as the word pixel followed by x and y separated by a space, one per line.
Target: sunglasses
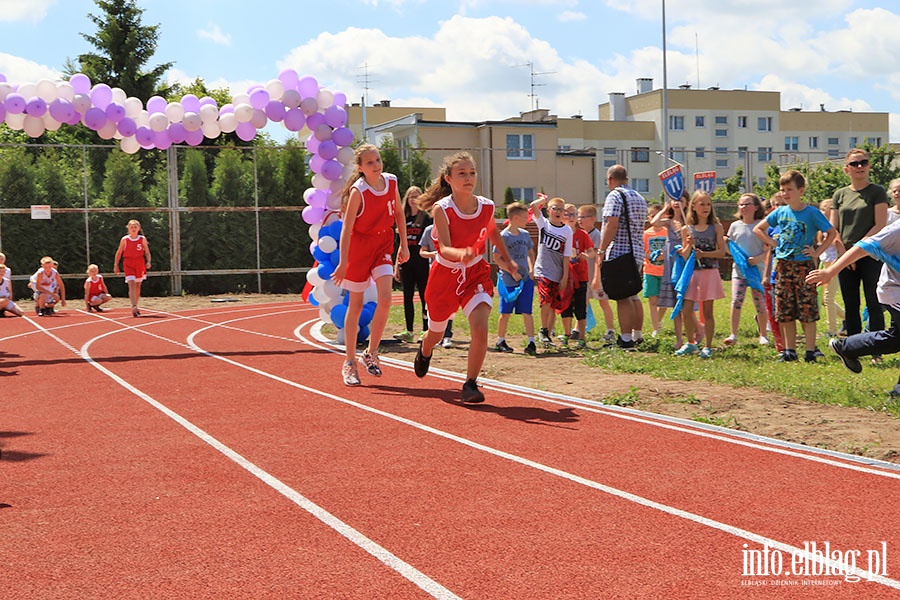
pixel 555 208
pixel 858 163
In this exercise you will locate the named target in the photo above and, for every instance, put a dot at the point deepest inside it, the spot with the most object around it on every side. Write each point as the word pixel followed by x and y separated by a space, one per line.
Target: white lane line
pixel 836 566
pixel 409 572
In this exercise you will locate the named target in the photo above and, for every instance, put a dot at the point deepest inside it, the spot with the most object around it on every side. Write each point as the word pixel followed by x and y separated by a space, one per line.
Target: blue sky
pixel 469 55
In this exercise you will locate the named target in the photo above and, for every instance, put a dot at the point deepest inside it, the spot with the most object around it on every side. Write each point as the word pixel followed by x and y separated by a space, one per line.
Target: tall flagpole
pixel 665 103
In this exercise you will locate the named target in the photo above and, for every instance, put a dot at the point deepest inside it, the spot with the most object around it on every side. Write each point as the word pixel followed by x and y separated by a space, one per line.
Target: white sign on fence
pixel 40 211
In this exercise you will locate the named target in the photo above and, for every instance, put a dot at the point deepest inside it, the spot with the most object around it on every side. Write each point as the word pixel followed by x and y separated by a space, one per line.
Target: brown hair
pixel 793 176
pixel 440 188
pixel 760 211
pixel 357 159
pixel 588 209
pixel 514 208
pixel 855 151
pixel 691 216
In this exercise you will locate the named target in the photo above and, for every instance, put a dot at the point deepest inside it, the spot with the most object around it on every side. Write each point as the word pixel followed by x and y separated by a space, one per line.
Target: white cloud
pixel 214 34
pixel 20 70
pixel 17 10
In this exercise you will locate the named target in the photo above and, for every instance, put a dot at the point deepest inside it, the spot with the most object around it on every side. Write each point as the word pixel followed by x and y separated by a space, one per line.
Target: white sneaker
pixel 446 343
pixel 730 340
pixel 763 340
pixel 654 333
pixel 348 372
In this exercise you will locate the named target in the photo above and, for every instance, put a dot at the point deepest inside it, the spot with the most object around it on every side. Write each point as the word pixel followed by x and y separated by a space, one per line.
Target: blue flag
pixel 747 271
pixel 591 320
pixel 509 295
pixel 685 270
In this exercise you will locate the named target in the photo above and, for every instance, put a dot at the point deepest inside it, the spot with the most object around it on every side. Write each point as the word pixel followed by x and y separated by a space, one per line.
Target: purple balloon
pixel 94 118
pixel 342 136
pixel 61 110
pixel 314 120
pixel 207 100
pixel 191 103
pixel 161 139
pixel 316 163
pixel 36 107
pixel 340 99
pixel 177 133
pixel 312 144
pixel 294 119
pixel 259 98
pixel 2 78
pixel 308 87
pixel 115 112
pixel 75 119
pixel 101 95
pixel 332 170
pixel 156 104
pixel 275 110
pixel 15 103
pixel 335 116
pixel 127 127
pixel 289 78
pixel 328 150
pixel 228 108
pixel 81 83
pixel 245 131
pixel 194 138
pixel 144 136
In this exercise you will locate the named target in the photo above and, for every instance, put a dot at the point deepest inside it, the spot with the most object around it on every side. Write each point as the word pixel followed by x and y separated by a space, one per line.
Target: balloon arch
pixel 295 102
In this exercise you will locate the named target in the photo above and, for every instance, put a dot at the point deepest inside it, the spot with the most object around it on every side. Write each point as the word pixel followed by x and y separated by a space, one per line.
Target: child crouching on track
pixel 6 302
pixel 371 207
pixel 49 289
pixel 460 277
pixel 95 292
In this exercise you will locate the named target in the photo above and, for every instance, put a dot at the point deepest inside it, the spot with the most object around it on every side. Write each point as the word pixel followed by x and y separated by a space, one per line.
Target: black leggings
pixel 414 274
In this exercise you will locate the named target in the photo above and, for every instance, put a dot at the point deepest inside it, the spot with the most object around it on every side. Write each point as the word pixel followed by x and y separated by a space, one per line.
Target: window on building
pixel 742 122
pixel 641 185
pixel 676 123
pixel 678 154
pixel 610 157
pixel 791 143
pixel 525 195
pixel 813 142
pixel 700 152
pixel 721 150
pixel 721 120
pixel 721 133
pixel 520 146
pixel 640 155
pixel 833 153
pixel 764 124
pixel 742 151
pixel 765 153
pixel 722 162
pixel 833 141
pixel 699 121
pixel 854 141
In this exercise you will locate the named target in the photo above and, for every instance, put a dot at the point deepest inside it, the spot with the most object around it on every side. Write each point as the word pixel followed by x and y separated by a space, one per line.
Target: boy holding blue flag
pixel 517 295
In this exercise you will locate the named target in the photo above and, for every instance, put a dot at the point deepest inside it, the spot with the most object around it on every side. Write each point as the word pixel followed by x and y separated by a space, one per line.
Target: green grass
pixel 745 364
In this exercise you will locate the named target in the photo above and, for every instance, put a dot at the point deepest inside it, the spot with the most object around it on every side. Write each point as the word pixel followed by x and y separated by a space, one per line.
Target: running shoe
pixel 421 363
pixel 850 362
pixel 788 356
pixel 763 340
pixel 531 349
pixel 404 336
pixel 730 340
pixel 610 336
pixel 503 347
pixel 348 372
pixel 470 392
pixel 706 352
pixel 544 337
pixel 447 343
pixel 371 364
pixel 687 350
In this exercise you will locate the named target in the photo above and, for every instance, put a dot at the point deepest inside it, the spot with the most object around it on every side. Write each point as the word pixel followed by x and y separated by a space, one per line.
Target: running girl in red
pixel 371 208
pixel 95 292
pixel 460 277
pixel 134 251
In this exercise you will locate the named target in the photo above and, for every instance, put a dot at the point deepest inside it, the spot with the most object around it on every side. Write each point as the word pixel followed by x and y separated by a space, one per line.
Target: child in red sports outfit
pixel 134 251
pixel 371 208
pixel 460 276
pixel 95 292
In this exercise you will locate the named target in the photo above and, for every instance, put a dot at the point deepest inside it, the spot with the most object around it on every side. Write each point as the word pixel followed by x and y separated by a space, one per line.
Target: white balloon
pixel 33 126
pixel 175 112
pixel 28 90
pixel 209 113
pixel 371 294
pixel 323 314
pixel 228 123
pixel 142 119
pixel 340 334
pixel 64 90
pixel 16 122
pixel 327 244
pixel 81 102
pixel 313 278
pixel 191 121
pixel 243 112
pixel 275 87
pixel 108 131
pixel 159 122
pixel 309 106
pixel 331 217
pixel 333 202
pixel 119 96
pixel 259 119
pixel 50 124
pixel 325 98
pixel 319 182
pixel 240 99
pixel 345 155
pixel 211 130
pixel 291 98
pixel 5 90
pixel 46 89
pixel 332 290
pixel 129 145
pixel 315 227
pixel 133 107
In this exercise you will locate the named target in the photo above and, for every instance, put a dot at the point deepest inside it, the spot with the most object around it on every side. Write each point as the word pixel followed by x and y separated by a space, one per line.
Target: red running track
pixel 216 454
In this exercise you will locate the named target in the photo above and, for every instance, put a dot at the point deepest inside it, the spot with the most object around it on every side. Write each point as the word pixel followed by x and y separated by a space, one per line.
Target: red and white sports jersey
pixel 376 210
pixel 96 286
pixel 134 247
pixel 467 230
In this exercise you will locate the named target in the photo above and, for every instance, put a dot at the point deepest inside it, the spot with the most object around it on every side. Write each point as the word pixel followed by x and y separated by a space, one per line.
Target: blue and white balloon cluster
pixel 331 299
pixel 293 101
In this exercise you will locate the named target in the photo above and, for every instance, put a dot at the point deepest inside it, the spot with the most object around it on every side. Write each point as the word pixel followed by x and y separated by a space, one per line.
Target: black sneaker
pixel 531 349
pixel 629 345
pixel 544 337
pixel 837 346
pixel 421 363
pixel 810 356
pixel 788 356
pixel 503 347
pixel 470 392
pixel 98 309
pixel 575 335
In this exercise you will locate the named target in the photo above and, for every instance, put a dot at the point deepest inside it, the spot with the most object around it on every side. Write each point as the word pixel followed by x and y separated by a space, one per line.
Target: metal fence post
pixel 174 220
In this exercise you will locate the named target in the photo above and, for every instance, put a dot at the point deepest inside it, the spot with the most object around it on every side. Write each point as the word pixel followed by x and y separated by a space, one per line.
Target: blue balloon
pixel 326 270
pixel 363 334
pixel 338 315
pixel 365 316
pixel 336 230
pixel 320 255
pixel 312 299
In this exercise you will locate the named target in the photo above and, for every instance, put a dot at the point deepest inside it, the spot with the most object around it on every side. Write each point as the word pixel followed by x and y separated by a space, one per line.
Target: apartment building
pixel 708 130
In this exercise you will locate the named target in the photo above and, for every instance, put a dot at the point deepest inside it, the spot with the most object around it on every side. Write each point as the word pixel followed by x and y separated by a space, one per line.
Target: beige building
pixel 708 130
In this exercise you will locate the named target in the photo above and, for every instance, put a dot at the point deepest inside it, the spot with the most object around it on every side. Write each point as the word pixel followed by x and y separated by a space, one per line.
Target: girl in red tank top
pixel 460 276
pixel 371 208
pixel 134 251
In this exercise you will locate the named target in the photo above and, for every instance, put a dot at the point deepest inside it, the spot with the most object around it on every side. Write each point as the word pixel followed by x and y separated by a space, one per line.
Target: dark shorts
pixel 578 306
pixel 795 300
pixel 549 292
